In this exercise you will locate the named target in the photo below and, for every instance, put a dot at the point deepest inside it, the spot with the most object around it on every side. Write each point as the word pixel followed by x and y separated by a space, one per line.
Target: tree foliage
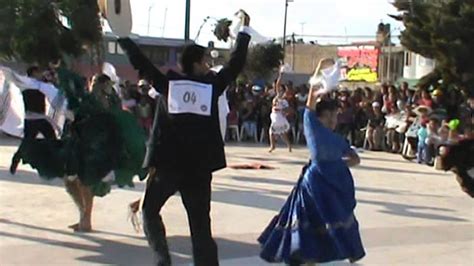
pixel 32 30
pixel 444 31
pixel 262 60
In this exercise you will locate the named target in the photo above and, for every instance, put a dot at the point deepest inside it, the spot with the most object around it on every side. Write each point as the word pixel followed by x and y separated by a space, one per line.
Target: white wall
pixel 416 66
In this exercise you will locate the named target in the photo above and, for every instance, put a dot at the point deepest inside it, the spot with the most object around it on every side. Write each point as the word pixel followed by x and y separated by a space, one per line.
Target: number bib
pixel 186 96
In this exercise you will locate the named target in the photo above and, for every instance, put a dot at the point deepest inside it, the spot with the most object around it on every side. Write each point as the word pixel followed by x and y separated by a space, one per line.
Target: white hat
pixel 375 104
pixel 119 16
pixel 142 82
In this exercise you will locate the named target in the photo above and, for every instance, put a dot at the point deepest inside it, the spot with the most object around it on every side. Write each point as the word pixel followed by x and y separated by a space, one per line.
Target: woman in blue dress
pixel 317 222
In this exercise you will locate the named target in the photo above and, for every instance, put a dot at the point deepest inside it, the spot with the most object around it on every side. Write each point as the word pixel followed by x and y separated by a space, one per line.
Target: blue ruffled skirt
pixel 316 224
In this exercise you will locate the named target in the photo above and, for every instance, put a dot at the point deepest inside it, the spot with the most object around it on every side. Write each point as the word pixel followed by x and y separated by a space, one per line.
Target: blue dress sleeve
pixel 323 144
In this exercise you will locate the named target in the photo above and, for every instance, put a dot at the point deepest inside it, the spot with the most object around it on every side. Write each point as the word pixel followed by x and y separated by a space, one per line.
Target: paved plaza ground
pixel 409 214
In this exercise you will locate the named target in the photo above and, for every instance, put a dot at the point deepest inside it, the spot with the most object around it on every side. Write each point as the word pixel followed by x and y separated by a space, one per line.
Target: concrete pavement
pixel 409 214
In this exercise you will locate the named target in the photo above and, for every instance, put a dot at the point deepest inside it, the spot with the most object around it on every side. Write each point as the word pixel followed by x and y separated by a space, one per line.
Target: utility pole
pixel 187 20
pixel 149 12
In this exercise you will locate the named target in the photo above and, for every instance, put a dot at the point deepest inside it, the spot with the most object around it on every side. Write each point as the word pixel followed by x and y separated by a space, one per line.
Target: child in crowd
pixel 422 136
pixel 432 134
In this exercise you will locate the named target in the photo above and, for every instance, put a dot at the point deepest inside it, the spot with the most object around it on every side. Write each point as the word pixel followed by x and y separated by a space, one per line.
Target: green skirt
pixel 93 147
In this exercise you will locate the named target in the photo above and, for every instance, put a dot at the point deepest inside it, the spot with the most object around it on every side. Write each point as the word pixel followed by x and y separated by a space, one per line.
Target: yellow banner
pixel 362 74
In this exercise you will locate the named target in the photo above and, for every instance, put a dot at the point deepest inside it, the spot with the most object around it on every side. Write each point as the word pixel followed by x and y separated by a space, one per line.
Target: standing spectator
pixel 453 102
pixel 301 98
pixel 361 117
pixel 144 113
pixel 264 109
pixel 432 134
pixel 410 97
pixel 128 102
pixel 422 135
pixel 104 92
pixel 345 119
pixel 438 99
pixel 368 95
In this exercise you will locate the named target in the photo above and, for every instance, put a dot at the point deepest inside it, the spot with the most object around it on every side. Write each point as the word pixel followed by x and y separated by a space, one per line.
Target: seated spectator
pixel 426 99
pixel 233 120
pixel 393 126
pixel 375 127
pixel 432 134
pixel 248 115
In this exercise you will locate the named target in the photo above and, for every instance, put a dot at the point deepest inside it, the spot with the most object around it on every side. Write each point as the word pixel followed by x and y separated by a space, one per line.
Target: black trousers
pixel 31 130
pixel 195 190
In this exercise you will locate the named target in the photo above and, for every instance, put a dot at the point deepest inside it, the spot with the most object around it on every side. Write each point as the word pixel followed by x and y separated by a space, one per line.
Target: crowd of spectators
pixel 410 121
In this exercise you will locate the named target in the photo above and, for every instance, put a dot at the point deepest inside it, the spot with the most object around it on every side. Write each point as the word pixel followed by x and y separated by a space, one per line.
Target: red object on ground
pixel 250 166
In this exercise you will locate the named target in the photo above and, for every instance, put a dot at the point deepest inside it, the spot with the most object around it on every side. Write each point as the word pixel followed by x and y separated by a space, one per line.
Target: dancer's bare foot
pixel 290 149
pixel 78 227
pixel 271 150
pixel 83 229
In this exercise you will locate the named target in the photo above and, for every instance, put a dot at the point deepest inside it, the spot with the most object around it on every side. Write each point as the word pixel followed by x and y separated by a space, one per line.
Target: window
pixel 112 47
pixel 120 50
pixel 408 58
pixel 157 55
pixel 426 61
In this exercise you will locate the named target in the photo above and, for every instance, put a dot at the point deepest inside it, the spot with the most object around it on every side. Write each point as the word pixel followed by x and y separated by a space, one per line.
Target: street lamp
pixel 284 28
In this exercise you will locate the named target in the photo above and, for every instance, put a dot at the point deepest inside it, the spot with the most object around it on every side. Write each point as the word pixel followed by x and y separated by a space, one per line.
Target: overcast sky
pixel 320 17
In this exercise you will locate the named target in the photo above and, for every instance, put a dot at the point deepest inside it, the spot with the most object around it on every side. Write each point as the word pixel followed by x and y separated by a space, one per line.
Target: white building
pixel 416 66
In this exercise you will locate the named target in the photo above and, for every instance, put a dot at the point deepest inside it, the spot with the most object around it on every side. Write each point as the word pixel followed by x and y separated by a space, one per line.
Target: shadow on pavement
pixel 395 192
pixel 414 211
pixel 263 180
pixel 254 199
pixel 392 170
pixel 32 178
pixel 133 251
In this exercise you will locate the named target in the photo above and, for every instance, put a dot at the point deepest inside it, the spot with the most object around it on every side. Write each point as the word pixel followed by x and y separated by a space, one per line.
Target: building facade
pixel 164 53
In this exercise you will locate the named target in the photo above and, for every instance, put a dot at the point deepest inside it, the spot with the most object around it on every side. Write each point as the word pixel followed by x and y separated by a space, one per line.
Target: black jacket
pixel 186 141
pixel 34 101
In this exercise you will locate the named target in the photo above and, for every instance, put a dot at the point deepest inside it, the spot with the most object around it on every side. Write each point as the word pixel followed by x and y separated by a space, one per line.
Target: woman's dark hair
pixel 102 78
pixel 31 70
pixel 326 105
pixel 191 54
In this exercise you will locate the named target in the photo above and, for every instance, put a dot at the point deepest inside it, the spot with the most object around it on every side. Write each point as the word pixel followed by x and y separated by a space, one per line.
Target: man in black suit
pixel 185 144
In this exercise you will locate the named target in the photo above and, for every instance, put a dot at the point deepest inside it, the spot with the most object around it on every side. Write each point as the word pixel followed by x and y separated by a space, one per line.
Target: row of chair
pixel 233 130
